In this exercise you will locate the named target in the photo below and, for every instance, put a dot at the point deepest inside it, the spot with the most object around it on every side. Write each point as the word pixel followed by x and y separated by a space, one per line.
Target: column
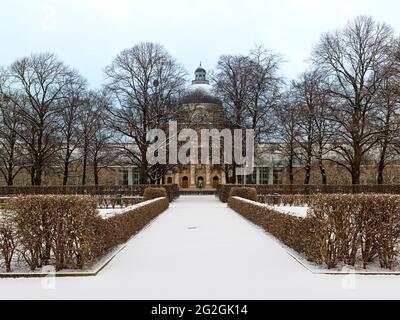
pixel 192 176
pixel 208 177
pixel 223 179
pixel 271 176
pixel 257 175
pixel 130 176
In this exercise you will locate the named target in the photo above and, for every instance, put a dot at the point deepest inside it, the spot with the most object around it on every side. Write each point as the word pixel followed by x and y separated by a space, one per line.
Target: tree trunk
pixel 84 164
pixel 96 172
pixel 355 176
pixel 290 169
pixel 33 175
pixel 66 173
pixel 322 170
pixel 381 170
pixel 66 166
pixel 37 180
pixel 308 174
pixel 356 169
pixel 10 175
pixel 38 172
pixel 143 173
pixel 382 163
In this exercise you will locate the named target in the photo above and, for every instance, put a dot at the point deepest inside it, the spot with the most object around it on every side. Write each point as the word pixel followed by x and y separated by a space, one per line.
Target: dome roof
pixel 200 91
pixel 200 70
pixel 205 88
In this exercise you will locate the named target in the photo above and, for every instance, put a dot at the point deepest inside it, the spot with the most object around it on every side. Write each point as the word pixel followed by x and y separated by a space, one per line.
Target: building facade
pixel 200 109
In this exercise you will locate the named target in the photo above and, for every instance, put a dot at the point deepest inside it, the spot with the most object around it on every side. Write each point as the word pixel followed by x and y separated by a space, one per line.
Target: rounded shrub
pixel 246 193
pixel 154 193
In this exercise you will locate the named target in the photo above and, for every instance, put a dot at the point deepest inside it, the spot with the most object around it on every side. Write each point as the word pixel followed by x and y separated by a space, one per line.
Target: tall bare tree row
pixel 41 105
pixel 357 61
pixel 348 104
pixel 343 110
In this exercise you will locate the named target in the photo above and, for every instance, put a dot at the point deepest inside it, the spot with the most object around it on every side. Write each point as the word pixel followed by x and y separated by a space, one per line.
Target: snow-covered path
pixel 200 249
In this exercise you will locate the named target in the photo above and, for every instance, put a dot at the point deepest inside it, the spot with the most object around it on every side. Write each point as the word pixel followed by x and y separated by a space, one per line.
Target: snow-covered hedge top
pixel 109 213
pixel 300 212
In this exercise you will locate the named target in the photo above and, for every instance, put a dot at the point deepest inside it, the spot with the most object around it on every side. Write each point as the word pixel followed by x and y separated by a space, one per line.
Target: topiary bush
pixel 245 193
pixel 154 193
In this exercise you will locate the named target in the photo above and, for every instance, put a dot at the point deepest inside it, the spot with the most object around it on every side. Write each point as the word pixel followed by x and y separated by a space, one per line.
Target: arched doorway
pixel 185 183
pixel 215 182
pixel 200 182
pixel 169 180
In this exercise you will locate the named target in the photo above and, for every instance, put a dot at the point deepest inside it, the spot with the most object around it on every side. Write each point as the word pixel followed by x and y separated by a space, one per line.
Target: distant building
pixel 201 109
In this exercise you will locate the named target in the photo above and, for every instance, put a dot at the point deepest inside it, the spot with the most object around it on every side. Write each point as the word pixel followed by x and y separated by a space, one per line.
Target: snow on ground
pixel 200 249
pixel 109 213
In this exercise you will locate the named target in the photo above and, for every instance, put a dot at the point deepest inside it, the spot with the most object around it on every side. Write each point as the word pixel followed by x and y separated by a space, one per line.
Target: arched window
pixel 215 182
pixel 185 183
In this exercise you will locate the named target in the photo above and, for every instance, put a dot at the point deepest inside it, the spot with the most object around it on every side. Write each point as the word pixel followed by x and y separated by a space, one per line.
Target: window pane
pixel 278 176
pixel 136 176
pixel 264 172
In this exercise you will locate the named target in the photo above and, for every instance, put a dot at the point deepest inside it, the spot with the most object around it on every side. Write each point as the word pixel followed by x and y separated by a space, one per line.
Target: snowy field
pixel 200 249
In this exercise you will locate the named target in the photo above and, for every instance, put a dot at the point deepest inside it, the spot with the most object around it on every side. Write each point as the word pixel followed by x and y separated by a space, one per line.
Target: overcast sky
pixel 88 34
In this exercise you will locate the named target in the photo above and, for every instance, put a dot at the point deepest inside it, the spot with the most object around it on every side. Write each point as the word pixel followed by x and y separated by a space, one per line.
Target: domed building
pixel 199 109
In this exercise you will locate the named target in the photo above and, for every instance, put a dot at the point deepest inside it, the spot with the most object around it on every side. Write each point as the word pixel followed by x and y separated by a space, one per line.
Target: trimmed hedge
pixel 136 190
pixel 357 227
pixel 245 193
pixel 120 228
pixel 52 229
pixel 285 200
pixel 154 193
pixel 224 190
pixel 65 231
pixel 339 229
pixel 290 230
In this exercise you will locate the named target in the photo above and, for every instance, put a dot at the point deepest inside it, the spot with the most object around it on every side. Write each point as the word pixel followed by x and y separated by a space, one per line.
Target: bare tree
pixel 325 129
pixel 39 79
pixel 314 129
pixel 101 152
pixel 355 60
pixel 91 124
pixel 305 101
pixel 11 153
pixel 388 113
pixel 71 111
pixel 265 92
pixel 144 81
pixel 287 132
pixel 249 87
pixel 232 84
